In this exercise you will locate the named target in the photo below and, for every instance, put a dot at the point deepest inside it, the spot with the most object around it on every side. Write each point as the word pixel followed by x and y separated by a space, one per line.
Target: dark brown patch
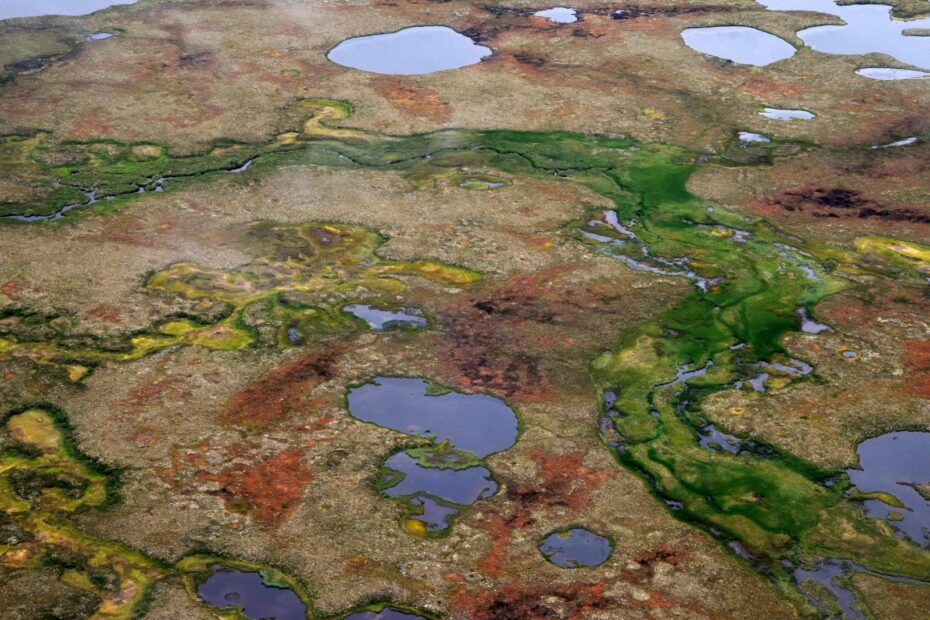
pixel 520 337
pixel 517 602
pixel 840 202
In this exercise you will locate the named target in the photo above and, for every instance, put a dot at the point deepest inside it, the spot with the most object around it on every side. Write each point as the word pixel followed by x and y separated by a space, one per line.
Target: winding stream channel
pixel 775 511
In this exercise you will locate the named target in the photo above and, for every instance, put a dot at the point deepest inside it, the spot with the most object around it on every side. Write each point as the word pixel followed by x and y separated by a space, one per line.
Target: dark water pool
pixel 475 422
pixel 575 548
pixel 892 463
pixel 249 592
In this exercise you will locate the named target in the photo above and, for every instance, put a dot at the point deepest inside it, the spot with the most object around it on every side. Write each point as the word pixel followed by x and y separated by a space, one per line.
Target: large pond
pixel 869 28
pixel 438 481
pixel 895 464
pixel 411 51
pixel 33 8
pixel 247 591
pixel 477 423
pixel 740 44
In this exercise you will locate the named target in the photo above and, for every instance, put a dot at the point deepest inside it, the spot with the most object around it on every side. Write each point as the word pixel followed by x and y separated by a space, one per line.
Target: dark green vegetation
pixel 751 280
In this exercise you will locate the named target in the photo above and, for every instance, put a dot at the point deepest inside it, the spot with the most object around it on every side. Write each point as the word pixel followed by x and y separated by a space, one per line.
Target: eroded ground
pixel 193 338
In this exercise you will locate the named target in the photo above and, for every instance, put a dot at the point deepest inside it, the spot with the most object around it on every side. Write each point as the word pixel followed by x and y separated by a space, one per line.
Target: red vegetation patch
pixel 268 490
pixel 501 529
pixel 411 98
pixel 917 362
pixel 14 288
pixel 106 312
pixel 566 482
pixel 273 396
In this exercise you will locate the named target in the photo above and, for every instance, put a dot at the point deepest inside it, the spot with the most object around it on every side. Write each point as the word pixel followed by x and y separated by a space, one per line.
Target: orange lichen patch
pixel 566 482
pixel 501 527
pixel 917 361
pixel 274 395
pixel 768 87
pixel 268 490
pixel 411 98
pixel 14 288
pixel 106 312
pixel 94 125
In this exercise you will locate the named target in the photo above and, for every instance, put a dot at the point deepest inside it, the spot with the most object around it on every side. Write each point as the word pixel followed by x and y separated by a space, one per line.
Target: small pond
pixel 248 591
pixel 895 463
pixel 778 114
pixel 34 8
pixel 411 51
pixel 384 320
pixel 437 481
pixel 741 44
pixel 887 73
pixel 559 15
pixel 576 548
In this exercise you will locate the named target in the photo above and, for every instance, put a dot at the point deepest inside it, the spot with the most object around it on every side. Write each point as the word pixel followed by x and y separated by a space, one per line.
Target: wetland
pixel 390 359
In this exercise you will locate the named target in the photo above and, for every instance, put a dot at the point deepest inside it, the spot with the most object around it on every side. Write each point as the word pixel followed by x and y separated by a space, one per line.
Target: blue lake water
pixel 868 28
pixel 779 114
pixel 892 463
pixel 575 548
pixel 383 320
pixel 475 422
pixel 741 44
pixel 249 592
pixel 411 51
pixel 559 15
pixel 34 8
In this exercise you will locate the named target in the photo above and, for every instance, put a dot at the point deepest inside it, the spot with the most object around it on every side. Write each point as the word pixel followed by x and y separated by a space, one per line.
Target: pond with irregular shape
pixel 559 15
pixel 248 591
pixel 576 548
pixel 438 481
pixel 34 8
pixel 894 463
pixel 411 51
pixel 740 44
pixel 869 28
pixel 384 320
pixel 477 423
